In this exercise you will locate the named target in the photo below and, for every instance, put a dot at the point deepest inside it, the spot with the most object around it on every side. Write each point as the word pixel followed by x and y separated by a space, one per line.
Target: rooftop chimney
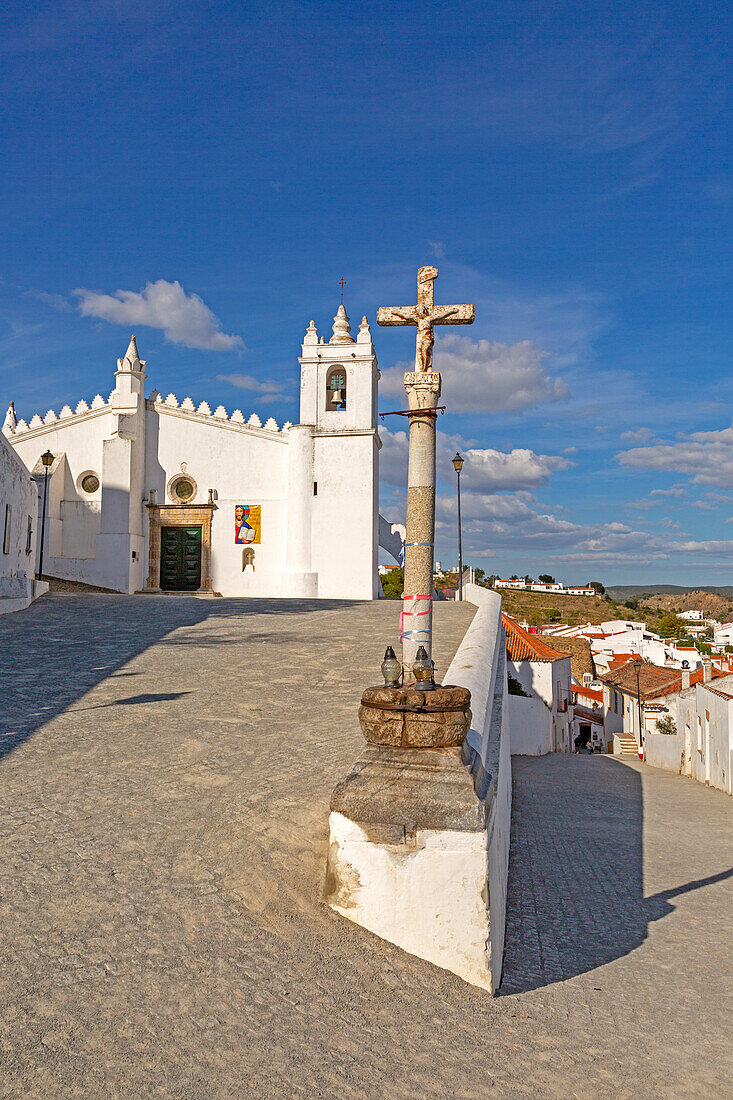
pixel 707 671
pixel 685 679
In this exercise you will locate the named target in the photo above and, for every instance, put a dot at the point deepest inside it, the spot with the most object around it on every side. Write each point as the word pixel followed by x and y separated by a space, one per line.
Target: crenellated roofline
pixel 99 406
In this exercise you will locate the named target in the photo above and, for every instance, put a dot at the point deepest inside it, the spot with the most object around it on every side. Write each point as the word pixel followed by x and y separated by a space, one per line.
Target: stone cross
pixel 423 391
pixel 425 314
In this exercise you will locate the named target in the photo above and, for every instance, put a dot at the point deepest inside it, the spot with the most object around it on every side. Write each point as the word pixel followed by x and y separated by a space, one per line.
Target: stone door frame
pixel 179 515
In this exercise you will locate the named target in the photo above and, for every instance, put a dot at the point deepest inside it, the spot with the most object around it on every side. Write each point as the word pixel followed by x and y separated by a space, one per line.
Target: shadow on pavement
pixel 64 645
pixel 576 888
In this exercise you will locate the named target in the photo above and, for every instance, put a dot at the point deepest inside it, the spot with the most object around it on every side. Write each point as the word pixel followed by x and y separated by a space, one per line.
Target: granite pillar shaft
pixel 423 392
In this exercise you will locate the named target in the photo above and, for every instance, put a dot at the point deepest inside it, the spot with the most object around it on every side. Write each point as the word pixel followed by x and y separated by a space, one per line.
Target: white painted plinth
pixel 426 892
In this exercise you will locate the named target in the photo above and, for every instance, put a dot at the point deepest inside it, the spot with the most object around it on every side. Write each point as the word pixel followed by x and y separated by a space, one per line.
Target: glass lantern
pixel 391 668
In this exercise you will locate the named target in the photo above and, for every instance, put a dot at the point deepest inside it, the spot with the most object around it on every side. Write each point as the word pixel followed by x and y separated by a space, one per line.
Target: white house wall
pixel 17 565
pixel 550 681
pixel 530 726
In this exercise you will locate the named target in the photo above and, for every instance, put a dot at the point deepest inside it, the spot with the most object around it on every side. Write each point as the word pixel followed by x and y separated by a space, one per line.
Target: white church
pixel 156 495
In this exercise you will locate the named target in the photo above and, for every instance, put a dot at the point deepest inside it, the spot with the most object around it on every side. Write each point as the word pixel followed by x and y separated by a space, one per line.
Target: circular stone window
pixel 182 489
pixel 89 483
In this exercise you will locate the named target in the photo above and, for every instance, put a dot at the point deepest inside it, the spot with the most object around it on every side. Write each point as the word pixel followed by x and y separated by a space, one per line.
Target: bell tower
pixel 333 534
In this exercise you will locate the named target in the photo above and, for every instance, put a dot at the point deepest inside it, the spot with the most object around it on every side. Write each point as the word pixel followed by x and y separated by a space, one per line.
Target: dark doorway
pixel 180 559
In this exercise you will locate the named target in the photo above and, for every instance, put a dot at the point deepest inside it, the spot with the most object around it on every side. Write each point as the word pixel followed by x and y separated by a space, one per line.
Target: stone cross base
pixel 408 855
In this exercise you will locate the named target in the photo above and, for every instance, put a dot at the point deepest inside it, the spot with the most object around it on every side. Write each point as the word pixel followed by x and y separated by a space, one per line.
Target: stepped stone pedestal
pixel 408 831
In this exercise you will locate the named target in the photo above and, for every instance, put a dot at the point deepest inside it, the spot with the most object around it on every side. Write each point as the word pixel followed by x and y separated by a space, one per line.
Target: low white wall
pixel 664 750
pixel 480 666
pixel 432 877
pixel 530 726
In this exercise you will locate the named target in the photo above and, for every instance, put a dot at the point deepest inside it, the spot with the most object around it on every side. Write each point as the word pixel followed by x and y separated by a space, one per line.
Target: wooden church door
pixel 180 559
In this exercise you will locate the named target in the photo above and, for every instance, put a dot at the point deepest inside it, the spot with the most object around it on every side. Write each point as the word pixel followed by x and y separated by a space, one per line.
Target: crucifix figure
pixel 423 391
pixel 424 315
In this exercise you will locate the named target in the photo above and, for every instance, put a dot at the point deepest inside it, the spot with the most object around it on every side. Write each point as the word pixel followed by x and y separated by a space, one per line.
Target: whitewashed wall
pixel 530 725
pixel 480 666
pixel 17 567
pixel 224 456
pixel 550 682
pixel 665 751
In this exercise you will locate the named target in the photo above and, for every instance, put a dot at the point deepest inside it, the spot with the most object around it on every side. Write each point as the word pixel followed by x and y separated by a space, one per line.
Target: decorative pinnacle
pixel 132 358
pixel 341 328
pixel 11 421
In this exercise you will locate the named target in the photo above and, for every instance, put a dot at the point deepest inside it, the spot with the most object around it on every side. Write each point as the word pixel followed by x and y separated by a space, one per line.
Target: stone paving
pixel 165 770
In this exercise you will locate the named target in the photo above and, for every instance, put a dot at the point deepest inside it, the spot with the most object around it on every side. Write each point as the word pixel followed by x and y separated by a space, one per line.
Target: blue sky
pixel 566 166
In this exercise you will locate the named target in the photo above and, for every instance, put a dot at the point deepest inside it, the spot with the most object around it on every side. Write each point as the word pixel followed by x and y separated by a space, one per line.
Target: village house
pixel 631 707
pixel 540 586
pixel 540 719
pixel 18 532
pixel 702 746
pixel 723 634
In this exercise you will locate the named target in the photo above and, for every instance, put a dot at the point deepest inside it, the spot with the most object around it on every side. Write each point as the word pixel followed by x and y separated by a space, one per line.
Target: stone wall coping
pixel 411 788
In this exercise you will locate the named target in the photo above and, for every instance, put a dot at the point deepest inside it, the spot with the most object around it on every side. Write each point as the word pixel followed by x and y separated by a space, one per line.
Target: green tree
pixel 600 589
pixel 393 583
pixel 545 578
pixel 666 724
pixel 670 626
pixel 514 687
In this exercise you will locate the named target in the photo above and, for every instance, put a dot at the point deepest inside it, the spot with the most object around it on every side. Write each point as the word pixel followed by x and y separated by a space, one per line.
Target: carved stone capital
pixel 422 388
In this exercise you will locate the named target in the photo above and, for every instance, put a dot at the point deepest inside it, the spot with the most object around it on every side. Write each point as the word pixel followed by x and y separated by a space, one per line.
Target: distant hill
pixel 624 591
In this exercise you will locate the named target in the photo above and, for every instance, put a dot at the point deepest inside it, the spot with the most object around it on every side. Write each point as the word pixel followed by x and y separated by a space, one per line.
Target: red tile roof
pixel 523 646
pixel 653 680
pixel 589 693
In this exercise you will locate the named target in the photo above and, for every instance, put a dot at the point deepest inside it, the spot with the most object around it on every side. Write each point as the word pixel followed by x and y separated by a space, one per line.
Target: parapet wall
pixel 419 836
pixel 480 666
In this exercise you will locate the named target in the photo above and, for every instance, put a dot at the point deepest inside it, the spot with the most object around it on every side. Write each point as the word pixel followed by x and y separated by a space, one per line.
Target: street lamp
pixel 47 460
pixel 637 663
pixel 458 466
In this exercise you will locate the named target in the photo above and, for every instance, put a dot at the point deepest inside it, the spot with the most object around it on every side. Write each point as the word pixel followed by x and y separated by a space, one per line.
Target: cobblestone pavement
pixel 164 782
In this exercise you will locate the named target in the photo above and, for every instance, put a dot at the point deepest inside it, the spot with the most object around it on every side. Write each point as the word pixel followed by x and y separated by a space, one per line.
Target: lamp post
pixel 47 460
pixel 637 663
pixel 458 466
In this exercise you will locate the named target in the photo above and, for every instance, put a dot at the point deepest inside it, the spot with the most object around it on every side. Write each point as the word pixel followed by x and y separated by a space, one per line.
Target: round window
pixel 183 489
pixel 90 483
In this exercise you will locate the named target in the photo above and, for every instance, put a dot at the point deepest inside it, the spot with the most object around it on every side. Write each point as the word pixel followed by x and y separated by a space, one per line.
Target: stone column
pixel 423 393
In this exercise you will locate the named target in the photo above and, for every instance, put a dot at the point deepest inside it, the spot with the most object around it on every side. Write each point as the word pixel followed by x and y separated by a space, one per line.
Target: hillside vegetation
pixel 540 608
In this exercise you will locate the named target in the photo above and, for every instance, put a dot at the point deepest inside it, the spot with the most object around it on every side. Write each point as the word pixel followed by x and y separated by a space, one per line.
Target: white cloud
pixel 438 249
pixel 706 456
pixel 485 470
pixel 267 390
pixel 674 491
pixel 493 524
pixel 485 376
pixel 184 318
pixel 490 471
pixel 640 435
